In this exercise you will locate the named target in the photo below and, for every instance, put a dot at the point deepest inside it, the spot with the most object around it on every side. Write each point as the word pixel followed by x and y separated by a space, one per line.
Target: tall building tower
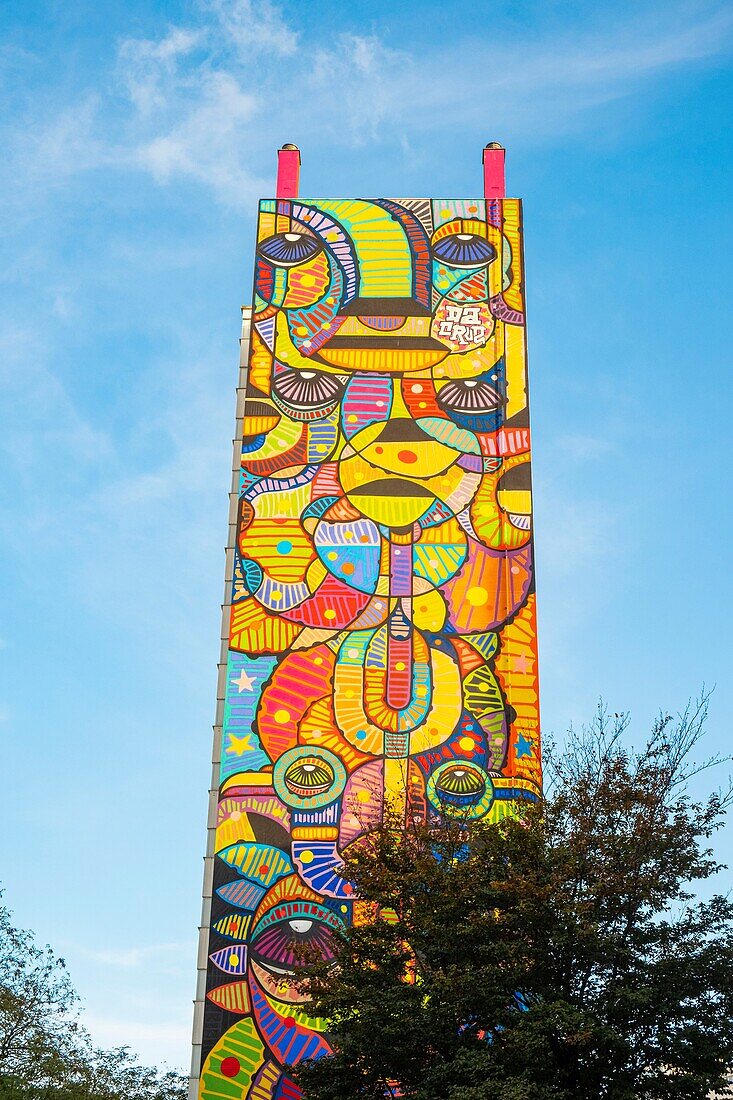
pixel 379 623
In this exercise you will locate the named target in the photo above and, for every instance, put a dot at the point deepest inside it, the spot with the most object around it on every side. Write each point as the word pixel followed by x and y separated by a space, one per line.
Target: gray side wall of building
pixel 203 944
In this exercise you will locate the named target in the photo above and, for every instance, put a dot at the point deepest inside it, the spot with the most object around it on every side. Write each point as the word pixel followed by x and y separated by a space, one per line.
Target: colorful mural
pixel 382 634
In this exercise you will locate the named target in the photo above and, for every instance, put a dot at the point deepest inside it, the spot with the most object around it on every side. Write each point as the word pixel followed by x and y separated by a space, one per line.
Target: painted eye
pixel 309 776
pixel 459 787
pixel 279 945
pixel 289 249
pixel 464 250
pixel 472 397
pixel 281 935
pixel 460 784
pixel 306 391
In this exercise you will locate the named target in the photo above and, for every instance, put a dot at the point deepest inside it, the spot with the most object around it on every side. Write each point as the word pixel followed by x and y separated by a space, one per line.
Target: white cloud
pixel 146 66
pixel 206 102
pixel 206 144
pixel 358 84
pixel 253 28
pixel 247 80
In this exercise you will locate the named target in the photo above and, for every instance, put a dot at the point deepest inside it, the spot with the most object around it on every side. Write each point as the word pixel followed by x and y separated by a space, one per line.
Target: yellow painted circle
pixel 477 596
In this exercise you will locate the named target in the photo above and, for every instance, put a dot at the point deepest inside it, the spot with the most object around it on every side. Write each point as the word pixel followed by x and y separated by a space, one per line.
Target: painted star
pixel 524 746
pixel 522 663
pixel 238 745
pixel 243 682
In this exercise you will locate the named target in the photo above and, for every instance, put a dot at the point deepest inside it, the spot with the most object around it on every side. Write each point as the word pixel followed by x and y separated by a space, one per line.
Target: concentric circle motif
pixel 307 778
pixel 460 789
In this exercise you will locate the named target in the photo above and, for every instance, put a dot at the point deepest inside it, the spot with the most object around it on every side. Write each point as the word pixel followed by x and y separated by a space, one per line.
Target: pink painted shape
pixel 494 181
pixel 288 172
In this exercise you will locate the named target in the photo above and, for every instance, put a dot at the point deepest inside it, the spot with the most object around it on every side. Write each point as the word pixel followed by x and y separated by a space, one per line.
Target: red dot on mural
pixel 230 1067
pixel 264 868
pixel 379 450
pixel 407 457
pixel 289 1021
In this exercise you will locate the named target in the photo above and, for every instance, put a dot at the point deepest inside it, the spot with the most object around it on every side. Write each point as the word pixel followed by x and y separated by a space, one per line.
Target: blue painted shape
pixel 241 749
pixel 232 960
pixel 524 746
pixel 243 894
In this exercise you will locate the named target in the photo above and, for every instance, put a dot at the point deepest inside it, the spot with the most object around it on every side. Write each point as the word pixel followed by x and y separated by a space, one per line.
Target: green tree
pixel 45 1052
pixel 563 952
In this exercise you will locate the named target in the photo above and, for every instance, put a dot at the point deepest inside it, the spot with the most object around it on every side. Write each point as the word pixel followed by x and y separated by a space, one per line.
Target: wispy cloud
pixel 203 101
pixel 253 29
pixel 147 67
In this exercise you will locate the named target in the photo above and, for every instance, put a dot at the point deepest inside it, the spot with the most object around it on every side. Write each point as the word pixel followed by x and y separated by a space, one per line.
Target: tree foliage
pixel 563 952
pixel 45 1052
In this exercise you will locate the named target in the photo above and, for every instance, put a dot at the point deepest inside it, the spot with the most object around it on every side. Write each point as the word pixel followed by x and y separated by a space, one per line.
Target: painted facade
pixel 382 634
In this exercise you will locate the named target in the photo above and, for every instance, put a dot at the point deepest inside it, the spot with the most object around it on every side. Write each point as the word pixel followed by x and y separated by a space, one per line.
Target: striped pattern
pixel 235 926
pixel 232 960
pixel 515 441
pixel 254 631
pixel 245 895
pixel 317 278
pixel 381 359
pixel 280 546
pixel 382 249
pixel 243 1043
pixel 419 245
pixel 264 1084
pixel 489 588
pixel 289 888
pixel 516 668
pixel 233 997
pixel 338 242
pixel 290 1040
pixel 319 728
pixel 259 862
pixel 299 680
pixel 333 606
pixel 397 663
pixel 445 431
pixel 320 865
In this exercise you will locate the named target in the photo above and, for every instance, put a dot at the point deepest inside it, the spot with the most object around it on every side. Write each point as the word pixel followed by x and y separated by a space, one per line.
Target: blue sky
pixel 136 138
